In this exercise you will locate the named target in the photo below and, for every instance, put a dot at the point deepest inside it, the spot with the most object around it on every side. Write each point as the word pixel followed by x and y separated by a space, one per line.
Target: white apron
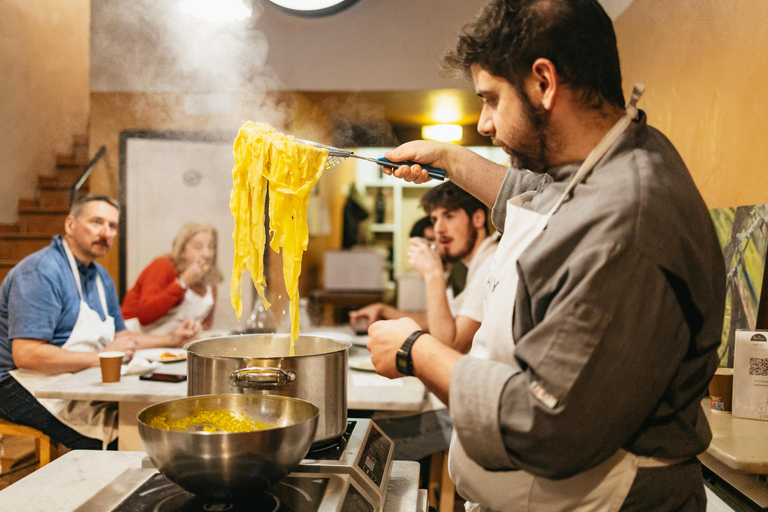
pixel 193 306
pixel 96 420
pixel 601 488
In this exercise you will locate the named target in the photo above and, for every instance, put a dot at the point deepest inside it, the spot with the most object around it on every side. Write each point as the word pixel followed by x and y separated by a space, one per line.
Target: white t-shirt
pixel 469 302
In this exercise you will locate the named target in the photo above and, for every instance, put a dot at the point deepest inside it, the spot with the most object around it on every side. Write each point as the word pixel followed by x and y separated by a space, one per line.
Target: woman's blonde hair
pixel 187 231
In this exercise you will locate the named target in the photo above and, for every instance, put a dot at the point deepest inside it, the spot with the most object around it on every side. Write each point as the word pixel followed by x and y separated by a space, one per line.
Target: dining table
pixel 367 392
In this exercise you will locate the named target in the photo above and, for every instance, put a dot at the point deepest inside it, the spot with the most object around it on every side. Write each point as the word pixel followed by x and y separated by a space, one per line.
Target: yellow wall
pixel 705 66
pixel 43 90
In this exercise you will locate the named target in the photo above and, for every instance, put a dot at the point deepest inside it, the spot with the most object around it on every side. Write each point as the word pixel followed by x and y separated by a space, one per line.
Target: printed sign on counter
pixel 750 375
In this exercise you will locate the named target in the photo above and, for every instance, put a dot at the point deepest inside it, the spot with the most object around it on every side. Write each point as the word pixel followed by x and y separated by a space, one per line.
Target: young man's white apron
pixel 193 306
pixel 601 488
pixel 96 420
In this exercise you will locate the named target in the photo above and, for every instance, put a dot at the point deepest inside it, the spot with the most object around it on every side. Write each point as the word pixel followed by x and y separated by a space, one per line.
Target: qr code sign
pixel 758 366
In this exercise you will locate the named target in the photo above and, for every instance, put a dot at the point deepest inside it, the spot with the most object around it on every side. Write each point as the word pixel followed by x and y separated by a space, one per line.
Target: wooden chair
pixel 42 441
pixel 441 492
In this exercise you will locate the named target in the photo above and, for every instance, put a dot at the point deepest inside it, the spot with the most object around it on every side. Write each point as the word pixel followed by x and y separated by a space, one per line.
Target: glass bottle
pixel 261 319
pixel 380 206
pixel 305 322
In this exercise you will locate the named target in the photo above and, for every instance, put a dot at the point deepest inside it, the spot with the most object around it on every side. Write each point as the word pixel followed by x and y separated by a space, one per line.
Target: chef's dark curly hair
pixel 451 197
pixel 575 35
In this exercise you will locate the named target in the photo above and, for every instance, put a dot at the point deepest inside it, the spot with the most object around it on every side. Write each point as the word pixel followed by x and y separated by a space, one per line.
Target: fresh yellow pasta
pixel 218 420
pixel 266 159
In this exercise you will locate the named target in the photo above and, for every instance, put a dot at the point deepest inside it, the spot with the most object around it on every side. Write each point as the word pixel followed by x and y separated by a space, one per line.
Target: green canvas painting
pixel 743 235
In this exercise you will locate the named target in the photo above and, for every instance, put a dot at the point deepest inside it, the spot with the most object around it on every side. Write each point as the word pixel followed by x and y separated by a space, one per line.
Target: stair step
pixel 71 174
pixel 16 246
pixel 34 206
pixel 70 161
pixel 55 181
pixel 9 228
pixel 54 197
pixel 49 223
pixel 80 147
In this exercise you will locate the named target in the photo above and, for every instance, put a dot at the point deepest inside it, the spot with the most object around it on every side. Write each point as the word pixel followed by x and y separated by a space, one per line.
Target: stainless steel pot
pixel 262 364
pixel 223 465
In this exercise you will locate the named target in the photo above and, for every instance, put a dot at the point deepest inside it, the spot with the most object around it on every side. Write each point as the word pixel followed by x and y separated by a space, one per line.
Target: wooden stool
pixel 42 441
pixel 441 492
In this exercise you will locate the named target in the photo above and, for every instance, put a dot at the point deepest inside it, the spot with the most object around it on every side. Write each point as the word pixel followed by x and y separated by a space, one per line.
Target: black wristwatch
pixel 403 360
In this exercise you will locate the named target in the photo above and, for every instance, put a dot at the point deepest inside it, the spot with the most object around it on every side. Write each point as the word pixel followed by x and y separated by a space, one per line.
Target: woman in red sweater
pixel 177 287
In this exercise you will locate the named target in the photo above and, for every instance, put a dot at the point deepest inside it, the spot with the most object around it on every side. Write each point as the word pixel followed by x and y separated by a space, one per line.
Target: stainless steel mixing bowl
pixel 225 465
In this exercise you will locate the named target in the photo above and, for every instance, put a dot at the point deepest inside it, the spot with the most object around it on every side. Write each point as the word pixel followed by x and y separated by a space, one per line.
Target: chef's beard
pixel 530 149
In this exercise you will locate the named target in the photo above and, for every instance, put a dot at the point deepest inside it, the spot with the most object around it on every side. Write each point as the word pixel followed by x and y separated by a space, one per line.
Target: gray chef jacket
pixel 618 316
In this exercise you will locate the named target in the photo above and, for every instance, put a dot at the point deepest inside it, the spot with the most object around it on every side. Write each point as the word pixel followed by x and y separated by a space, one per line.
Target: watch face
pixel 401 363
pixel 312 8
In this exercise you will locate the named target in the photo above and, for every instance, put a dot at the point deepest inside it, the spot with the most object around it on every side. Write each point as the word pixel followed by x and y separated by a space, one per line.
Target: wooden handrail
pixel 86 172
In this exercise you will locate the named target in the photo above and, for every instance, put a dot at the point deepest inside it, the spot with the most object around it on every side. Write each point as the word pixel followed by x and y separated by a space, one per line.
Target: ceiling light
pixel 442 132
pixel 217 10
pixel 313 7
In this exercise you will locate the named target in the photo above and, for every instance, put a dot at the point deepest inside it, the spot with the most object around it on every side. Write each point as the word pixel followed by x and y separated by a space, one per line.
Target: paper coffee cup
pixel 110 366
pixel 721 390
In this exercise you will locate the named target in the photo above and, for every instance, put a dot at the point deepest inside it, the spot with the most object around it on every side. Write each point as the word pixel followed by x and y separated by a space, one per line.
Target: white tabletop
pixel 366 390
pixel 71 480
pixel 738 443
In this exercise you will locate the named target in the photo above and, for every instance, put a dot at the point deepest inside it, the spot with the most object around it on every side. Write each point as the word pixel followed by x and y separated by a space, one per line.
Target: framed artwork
pixel 743 235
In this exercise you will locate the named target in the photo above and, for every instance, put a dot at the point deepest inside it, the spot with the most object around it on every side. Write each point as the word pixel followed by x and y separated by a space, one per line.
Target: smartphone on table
pixel 163 377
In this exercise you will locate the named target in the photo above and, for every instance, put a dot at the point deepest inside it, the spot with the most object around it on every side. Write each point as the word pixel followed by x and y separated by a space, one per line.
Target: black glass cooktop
pixel 158 494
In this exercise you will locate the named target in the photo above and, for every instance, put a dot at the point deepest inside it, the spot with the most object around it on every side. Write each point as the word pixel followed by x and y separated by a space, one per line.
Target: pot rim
pixel 144 424
pixel 346 345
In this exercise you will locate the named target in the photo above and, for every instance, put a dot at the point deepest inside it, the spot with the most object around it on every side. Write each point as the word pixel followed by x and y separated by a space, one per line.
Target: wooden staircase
pixel 42 217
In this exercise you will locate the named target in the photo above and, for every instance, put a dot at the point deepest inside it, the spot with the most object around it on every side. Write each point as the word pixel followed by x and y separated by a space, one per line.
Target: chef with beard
pixel 604 302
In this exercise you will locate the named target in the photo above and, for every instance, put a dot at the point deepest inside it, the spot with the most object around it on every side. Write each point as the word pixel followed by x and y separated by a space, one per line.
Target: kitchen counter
pixel 738 452
pixel 69 481
pixel 739 443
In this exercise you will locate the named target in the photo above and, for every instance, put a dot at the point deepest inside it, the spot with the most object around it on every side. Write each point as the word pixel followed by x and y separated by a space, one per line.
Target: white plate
pixel 156 354
pixel 341 333
pixel 362 363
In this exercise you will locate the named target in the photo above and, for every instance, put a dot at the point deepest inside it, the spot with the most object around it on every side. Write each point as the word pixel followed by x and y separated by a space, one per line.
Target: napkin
pixel 137 365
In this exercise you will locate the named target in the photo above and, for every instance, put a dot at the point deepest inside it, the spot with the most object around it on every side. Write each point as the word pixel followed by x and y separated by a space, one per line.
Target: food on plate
pixel 165 356
pixel 218 420
pixel 267 160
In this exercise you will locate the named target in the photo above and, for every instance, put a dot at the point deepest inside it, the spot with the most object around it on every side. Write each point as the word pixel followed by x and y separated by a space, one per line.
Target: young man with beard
pixel 605 302
pixel 58 309
pixel 461 235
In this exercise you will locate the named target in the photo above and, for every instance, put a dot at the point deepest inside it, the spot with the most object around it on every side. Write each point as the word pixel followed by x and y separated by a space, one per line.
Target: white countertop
pixel 366 390
pixel 739 443
pixel 69 481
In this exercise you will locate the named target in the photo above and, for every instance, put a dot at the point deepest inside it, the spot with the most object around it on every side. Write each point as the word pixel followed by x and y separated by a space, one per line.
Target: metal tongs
pixel 338 155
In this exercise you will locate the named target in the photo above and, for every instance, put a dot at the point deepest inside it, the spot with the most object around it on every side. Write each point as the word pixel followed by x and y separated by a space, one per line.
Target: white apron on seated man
pixel 58 309
pixel 604 302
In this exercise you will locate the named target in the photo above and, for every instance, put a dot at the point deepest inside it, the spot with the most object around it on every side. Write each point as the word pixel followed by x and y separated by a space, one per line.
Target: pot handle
pixel 258 376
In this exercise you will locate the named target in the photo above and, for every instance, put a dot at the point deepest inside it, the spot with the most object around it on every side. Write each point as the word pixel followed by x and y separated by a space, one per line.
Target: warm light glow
pixel 442 132
pixel 217 10
pixel 306 5
pixel 445 107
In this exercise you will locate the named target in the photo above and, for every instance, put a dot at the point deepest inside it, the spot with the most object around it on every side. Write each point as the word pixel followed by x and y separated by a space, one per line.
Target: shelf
pixel 383 228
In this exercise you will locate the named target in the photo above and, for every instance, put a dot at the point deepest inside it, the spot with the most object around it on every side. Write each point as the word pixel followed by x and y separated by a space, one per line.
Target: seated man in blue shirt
pixel 58 309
